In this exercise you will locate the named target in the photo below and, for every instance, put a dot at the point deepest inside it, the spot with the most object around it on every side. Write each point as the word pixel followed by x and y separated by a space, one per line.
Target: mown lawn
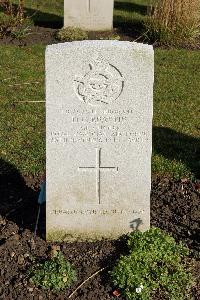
pixel 176 144
pixel 176 131
pixel 22 135
pixel 176 109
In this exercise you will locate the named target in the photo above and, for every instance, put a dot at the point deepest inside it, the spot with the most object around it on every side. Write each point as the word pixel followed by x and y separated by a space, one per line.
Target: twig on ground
pixel 144 34
pixel 24 83
pixel 14 209
pixel 29 101
pixel 5 79
pixel 85 282
pixel 37 221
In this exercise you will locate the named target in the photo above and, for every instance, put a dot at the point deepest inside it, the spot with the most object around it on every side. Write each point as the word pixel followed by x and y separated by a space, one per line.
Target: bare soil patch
pixel 47 35
pixel 174 208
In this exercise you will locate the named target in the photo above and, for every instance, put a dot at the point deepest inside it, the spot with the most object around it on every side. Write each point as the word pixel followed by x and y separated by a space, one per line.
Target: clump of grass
pixel 110 36
pixel 174 22
pixel 54 274
pixel 12 10
pixel 69 34
pixel 22 30
pixel 13 21
pixel 155 264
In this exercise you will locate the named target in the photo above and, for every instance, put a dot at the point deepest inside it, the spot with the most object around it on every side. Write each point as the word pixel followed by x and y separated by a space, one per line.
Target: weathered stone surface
pixel 99 129
pixel 91 15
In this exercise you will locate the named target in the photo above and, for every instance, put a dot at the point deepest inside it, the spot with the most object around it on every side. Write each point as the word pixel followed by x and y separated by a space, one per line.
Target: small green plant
pixel 10 26
pixel 55 274
pixel 11 9
pixel 111 36
pixel 70 34
pixel 6 22
pixel 22 30
pixel 13 21
pixel 154 263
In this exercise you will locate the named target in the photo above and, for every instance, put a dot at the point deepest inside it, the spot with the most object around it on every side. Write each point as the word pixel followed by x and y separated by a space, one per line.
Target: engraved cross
pixel 98 168
pixel 89 6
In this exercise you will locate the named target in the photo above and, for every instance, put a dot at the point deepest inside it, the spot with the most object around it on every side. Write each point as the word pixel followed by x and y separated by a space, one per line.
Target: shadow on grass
pixel 132 28
pixel 44 19
pixel 18 202
pixel 40 18
pixel 129 23
pixel 131 7
pixel 177 146
pixel 54 21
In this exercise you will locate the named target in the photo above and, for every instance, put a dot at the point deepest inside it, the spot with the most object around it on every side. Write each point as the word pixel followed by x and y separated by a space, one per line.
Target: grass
pixel 176 142
pixel 51 7
pixel 22 135
pixel 46 13
pixel 132 12
pixel 176 100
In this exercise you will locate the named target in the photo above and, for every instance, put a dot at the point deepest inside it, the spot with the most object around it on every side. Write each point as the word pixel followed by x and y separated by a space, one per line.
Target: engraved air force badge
pixel 102 84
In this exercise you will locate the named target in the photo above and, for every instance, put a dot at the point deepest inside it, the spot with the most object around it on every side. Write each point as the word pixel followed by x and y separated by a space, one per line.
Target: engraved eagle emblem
pixel 102 84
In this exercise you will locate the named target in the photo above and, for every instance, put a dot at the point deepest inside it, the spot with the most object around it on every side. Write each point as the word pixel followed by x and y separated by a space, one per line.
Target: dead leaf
pixel 116 293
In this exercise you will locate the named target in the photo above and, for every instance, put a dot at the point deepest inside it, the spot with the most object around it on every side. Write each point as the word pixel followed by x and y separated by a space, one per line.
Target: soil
pixel 47 36
pixel 174 208
pixel 37 35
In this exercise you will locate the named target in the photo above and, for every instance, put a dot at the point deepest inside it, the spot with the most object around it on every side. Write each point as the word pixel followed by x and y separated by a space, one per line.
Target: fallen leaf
pixel 116 293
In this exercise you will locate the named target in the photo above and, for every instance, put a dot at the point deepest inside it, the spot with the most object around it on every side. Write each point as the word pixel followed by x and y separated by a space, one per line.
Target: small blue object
pixel 42 195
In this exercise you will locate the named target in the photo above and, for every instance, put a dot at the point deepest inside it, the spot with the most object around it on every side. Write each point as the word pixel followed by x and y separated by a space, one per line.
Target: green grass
pixel 49 6
pixel 176 142
pixel 22 134
pixel 176 107
pixel 176 99
pixel 45 13
pixel 133 12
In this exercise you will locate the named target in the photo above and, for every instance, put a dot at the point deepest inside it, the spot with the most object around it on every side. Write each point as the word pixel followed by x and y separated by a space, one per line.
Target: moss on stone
pixel 55 235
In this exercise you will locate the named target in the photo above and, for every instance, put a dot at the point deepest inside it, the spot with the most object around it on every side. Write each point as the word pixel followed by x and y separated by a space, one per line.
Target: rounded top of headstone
pixel 101 44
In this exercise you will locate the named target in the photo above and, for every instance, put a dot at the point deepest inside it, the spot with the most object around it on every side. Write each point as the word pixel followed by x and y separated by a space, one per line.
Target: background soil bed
pixel 174 208
pixel 47 36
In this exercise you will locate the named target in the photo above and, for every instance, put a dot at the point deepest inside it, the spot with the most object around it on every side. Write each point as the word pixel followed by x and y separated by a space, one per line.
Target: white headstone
pixel 99 129
pixel 91 15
